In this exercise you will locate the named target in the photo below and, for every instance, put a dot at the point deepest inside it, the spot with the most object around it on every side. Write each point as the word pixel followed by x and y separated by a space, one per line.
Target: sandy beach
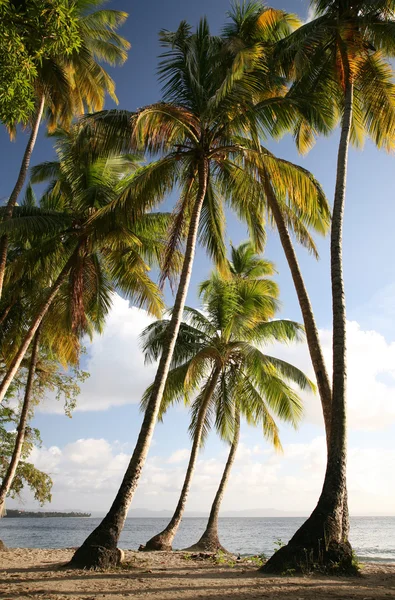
pixel 33 573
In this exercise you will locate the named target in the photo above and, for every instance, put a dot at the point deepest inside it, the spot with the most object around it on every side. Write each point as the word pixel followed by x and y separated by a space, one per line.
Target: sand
pixel 39 574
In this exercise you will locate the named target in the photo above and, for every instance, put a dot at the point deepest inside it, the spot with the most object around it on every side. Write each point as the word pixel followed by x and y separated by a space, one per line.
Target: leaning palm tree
pixel 288 212
pixel 86 251
pixel 217 358
pixel 199 132
pixel 68 85
pixel 343 50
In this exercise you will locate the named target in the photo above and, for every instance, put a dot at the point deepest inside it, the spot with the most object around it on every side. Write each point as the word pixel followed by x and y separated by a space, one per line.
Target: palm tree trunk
pixel 209 542
pixel 313 340
pixel 164 540
pixel 16 455
pixel 100 547
pixel 323 539
pixel 16 361
pixel 19 185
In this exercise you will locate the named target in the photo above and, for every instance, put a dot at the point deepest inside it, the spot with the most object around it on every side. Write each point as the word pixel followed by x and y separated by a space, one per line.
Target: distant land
pixel 145 513
pixel 25 514
pixel 257 512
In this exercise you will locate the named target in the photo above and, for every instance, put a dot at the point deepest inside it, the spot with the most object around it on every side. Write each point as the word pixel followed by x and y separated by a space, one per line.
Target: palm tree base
pixel 162 542
pixel 209 542
pixel 96 557
pixel 315 548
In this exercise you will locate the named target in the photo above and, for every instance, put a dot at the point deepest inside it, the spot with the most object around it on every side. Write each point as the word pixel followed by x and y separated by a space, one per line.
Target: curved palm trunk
pixel 20 438
pixel 209 542
pixel 100 547
pixel 323 538
pixel 164 540
pixel 19 185
pixel 16 361
pixel 313 340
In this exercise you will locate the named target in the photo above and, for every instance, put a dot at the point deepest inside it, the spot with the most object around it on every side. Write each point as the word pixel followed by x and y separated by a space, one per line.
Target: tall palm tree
pixel 343 50
pixel 68 85
pixel 217 358
pixel 198 131
pixel 86 250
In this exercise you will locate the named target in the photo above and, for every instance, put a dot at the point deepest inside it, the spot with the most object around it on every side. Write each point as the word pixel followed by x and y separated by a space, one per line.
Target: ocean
pixel 373 538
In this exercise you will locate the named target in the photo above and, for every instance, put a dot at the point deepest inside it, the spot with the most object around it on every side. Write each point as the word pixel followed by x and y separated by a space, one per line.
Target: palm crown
pixel 349 41
pixel 223 342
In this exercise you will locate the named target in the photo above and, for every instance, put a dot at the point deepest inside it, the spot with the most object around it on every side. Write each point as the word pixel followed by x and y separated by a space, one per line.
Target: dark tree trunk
pixel 16 361
pixel 209 542
pixel 102 542
pixel 20 438
pixel 322 541
pixel 19 185
pixel 164 539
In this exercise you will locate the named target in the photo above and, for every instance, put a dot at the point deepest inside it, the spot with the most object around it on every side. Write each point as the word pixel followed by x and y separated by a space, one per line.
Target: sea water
pixel 373 538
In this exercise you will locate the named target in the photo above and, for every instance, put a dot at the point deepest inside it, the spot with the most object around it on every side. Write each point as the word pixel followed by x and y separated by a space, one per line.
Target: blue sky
pixel 109 433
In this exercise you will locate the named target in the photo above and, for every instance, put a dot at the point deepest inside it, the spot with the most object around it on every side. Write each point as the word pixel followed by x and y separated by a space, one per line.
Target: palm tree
pixel 217 358
pixel 68 85
pixel 289 209
pixel 86 250
pixel 247 270
pixel 198 130
pixel 343 50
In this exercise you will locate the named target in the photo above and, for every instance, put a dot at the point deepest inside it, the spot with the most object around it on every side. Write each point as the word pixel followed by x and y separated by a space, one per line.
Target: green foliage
pixel 278 543
pixel 256 559
pixel 31 33
pixel 81 219
pixel 223 558
pixel 50 378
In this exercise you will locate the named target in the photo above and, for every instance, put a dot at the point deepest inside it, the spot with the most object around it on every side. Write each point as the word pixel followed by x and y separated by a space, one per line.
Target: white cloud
pixel 87 474
pixel 371 376
pixel 118 375
pixel 311 15
pixel 179 456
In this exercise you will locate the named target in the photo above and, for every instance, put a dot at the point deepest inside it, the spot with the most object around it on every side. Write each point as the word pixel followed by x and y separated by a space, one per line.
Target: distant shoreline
pixel 25 514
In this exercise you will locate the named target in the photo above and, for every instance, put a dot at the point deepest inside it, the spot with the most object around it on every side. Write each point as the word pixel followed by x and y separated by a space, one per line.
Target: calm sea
pixel 373 538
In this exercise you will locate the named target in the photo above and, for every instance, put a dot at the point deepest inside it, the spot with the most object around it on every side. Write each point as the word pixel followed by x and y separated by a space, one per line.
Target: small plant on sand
pixel 223 558
pixel 278 543
pixel 257 559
